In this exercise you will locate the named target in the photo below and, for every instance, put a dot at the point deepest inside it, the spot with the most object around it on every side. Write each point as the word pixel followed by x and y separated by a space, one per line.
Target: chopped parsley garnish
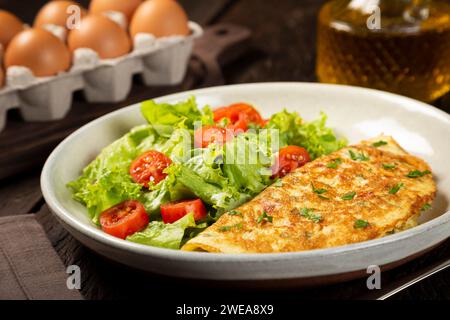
pixel 334 164
pixel 278 183
pixel 425 207
pixel 417 173
pixel 228 228
pixel 396 188
pixel 349 196
pixel 264 217
pixel 379 143
pixel 235 213
pixel 308 214
pixel 318 191
pixel 361 224
pixel 225 228
pixel 389 165
pixel 358 156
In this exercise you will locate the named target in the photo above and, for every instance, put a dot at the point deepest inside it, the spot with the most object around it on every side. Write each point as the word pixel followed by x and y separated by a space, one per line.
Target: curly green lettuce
pixel 106 182
pixel 315 136
pixel 170 236
pixel 165 117
pixel 224 177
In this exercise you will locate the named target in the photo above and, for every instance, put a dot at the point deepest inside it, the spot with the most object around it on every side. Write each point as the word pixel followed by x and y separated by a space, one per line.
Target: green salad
pixel 165 181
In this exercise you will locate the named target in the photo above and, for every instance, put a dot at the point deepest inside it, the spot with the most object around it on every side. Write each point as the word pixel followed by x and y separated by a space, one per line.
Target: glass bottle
pixel 401 46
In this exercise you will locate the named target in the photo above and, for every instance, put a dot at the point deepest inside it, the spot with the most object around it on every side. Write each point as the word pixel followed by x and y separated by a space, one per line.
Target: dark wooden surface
pixel 282 49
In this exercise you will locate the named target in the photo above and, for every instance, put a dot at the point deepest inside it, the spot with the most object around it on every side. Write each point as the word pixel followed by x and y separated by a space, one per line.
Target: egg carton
pixel 160 61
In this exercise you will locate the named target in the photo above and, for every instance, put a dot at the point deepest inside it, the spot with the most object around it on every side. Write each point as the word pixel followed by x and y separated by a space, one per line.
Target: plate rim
pixel 186 256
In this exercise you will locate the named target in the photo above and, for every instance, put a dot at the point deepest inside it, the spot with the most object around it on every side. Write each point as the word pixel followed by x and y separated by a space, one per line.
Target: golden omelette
pixel 358 193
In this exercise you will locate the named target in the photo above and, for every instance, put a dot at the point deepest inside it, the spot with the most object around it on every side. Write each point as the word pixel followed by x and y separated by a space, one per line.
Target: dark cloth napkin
pixel 29 266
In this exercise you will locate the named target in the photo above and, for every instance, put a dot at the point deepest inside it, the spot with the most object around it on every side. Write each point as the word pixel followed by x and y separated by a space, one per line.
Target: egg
pixel 102 35
pixel 127 7
pixel 2 77
pixel 10 25
pixel 56 13
pixel 161 18
pixel 40 51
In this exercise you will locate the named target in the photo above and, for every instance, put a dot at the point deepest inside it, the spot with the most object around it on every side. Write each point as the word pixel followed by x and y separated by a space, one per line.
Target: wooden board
pixel 20 194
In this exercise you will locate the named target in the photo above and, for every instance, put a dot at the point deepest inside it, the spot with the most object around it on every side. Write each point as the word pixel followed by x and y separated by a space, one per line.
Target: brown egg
pixel 2 77
pixel 10 25
pixel 39 50
pixel 55 12
pixel 102 35
pixel 161 18
pixel 127 7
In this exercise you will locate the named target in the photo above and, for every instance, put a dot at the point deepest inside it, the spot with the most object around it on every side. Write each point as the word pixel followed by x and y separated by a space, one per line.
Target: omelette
pixel 361 192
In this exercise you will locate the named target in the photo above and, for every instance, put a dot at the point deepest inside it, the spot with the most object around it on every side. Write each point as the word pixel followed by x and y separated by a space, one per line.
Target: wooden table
pixel 282 49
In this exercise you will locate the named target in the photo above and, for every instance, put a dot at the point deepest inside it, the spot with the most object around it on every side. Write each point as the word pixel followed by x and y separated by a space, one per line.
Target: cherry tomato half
pixel 124 219
pixel 240 115
pixel 149 167
pixel 289 158
pixel 211 134
pixel 176 210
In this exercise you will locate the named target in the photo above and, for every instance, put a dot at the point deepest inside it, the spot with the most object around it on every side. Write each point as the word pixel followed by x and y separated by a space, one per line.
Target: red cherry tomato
pixel 239 115
pixel 174 211
pixel 211 134
pixel 124 219
pixel 149 167
pixel 289 158
pixel 241 125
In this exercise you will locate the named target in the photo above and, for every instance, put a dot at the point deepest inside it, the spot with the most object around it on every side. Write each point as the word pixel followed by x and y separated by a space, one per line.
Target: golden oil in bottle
pixel 407 51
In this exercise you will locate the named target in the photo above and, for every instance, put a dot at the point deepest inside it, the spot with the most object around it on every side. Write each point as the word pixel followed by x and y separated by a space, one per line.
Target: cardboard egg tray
pixel 161 61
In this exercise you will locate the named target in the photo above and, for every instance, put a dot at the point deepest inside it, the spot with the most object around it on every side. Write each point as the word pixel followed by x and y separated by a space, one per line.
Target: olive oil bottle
pixel 401 46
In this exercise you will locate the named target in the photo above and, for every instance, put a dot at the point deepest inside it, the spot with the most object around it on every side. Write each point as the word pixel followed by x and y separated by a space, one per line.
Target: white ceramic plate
pixel 353 112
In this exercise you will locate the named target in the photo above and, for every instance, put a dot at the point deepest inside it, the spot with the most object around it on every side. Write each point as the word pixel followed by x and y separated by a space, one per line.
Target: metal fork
pixel 411 280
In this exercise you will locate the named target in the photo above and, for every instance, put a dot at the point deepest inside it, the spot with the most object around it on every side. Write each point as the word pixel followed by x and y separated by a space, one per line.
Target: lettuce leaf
pixel 165 117
pixel 108 188
pixel 224 177
pixel 287 123
pixel 170 189
pixel 159 234
pixel 247 161
pixel 315 136
pixel 178 147
pixel 106 182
